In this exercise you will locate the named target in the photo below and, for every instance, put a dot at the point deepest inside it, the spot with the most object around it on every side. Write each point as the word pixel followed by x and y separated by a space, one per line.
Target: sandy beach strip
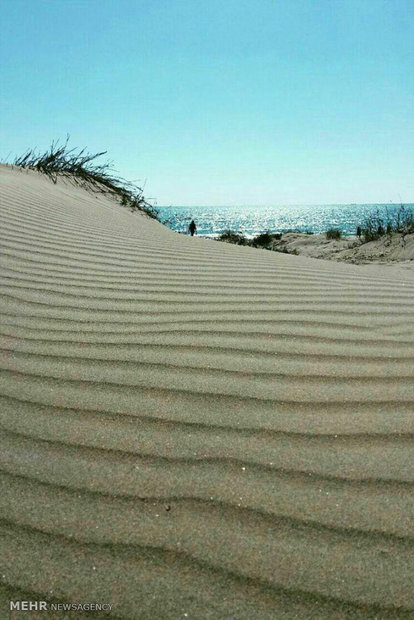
pixel 192 429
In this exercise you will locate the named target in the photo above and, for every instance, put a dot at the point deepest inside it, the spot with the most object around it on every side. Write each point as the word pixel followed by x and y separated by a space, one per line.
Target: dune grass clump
pixel 81 167
pixel 230 236
pixel 372 228
pixel 404 220
pixel 376 225
pixel 333 233
pixel 262 241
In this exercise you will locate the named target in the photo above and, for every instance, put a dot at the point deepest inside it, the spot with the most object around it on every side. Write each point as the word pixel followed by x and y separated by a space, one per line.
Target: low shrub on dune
pixel 230 236
pixel 333 233
pixel 262 241
pixel 374 226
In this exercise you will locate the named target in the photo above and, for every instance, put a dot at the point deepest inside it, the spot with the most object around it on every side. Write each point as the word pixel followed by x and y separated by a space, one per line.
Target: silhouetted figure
pixel 192 228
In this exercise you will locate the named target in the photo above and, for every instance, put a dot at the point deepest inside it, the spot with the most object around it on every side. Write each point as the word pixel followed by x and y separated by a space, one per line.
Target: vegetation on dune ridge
pixel 376 225
pixel 81 167
pixel 264 241
pixel 333 234
pixel 231 236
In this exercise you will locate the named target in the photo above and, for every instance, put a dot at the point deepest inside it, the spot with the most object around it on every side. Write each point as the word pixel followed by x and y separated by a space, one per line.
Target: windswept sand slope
pixel 196 430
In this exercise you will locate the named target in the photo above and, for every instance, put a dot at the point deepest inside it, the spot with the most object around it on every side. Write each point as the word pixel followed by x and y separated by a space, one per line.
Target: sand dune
pixel 198 430
pixel 388 249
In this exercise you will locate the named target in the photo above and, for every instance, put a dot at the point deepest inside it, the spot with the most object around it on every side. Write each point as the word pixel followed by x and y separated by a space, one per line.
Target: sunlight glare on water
pixel 253 220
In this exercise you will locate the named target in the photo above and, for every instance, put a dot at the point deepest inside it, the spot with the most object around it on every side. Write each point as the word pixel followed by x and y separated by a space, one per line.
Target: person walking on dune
pixel 192 228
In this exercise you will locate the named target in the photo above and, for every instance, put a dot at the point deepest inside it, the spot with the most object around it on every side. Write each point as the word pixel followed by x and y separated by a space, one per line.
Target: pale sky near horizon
pixel 219 102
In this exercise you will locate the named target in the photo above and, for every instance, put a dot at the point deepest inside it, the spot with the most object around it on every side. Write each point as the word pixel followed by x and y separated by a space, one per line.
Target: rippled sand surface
pixel 196 430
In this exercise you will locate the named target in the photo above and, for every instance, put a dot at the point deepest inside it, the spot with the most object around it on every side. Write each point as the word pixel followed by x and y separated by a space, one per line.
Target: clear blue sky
pixel 219 102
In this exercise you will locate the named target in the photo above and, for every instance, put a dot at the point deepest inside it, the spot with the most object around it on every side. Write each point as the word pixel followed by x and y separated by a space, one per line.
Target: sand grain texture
pixel 197 430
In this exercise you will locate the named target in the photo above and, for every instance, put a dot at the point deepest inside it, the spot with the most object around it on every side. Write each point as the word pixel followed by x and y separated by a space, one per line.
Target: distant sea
pixel 253 220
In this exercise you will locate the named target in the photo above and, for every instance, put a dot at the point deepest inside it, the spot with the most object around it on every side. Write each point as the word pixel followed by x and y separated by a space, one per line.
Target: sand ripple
pixel 195 428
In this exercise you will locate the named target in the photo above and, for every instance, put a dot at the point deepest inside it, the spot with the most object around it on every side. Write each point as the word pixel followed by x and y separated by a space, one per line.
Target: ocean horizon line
pixel 284 204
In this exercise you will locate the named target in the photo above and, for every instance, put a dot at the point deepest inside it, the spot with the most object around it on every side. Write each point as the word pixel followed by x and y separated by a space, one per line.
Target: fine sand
pixel 387 250
pixel 192 429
